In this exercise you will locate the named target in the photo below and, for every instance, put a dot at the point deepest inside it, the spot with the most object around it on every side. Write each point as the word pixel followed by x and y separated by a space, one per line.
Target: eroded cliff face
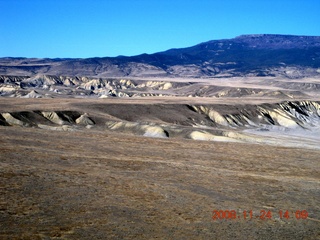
pixel 54 86
pixel 289 114
pixel 264 123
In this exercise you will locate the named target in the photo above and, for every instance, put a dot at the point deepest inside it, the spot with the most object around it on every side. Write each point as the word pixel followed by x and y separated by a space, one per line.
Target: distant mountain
pixel 246 55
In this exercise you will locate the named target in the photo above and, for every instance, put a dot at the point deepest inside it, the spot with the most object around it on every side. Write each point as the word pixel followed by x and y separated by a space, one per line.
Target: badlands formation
pixel 248 109
pixel 92 158
pixel 216 141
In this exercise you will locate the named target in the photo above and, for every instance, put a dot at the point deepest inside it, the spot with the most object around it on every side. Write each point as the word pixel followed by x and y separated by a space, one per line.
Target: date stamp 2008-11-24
pixel 262 215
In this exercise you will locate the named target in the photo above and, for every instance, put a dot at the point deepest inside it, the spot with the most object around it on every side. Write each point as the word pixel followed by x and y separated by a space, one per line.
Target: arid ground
pixel 136 168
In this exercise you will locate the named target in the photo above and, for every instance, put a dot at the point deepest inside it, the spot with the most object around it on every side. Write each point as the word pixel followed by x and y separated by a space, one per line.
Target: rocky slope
pixel 53 86
pixel 286 122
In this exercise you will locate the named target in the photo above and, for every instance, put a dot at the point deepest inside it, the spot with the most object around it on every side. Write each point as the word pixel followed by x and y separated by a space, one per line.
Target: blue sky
pixel 99 28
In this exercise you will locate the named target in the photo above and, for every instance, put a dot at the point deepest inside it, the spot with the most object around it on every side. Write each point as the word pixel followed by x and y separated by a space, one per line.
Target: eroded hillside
pixel 89 184
pixel 284 123
pixel 50 86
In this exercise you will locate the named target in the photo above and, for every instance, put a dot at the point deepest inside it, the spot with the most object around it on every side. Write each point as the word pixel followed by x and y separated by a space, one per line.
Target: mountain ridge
pixel 251 54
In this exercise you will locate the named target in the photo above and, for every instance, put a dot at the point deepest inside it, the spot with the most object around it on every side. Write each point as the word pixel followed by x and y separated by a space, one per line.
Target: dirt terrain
pixel 75 166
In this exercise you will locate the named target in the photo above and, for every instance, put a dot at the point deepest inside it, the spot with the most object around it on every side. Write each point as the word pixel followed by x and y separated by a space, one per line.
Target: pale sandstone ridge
pixel 141 129
pixel 13 121
pixel 205 136
pixel 32 94
pixel 304 114
pixel 50 120
pixel 53 117
pixel 47 86
pixel 84 119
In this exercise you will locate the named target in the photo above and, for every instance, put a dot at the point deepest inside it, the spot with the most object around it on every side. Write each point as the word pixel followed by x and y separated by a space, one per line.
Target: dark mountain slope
pixel 248 54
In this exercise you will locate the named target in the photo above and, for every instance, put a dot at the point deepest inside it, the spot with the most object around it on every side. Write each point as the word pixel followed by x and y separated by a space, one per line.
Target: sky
pixel 101 28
